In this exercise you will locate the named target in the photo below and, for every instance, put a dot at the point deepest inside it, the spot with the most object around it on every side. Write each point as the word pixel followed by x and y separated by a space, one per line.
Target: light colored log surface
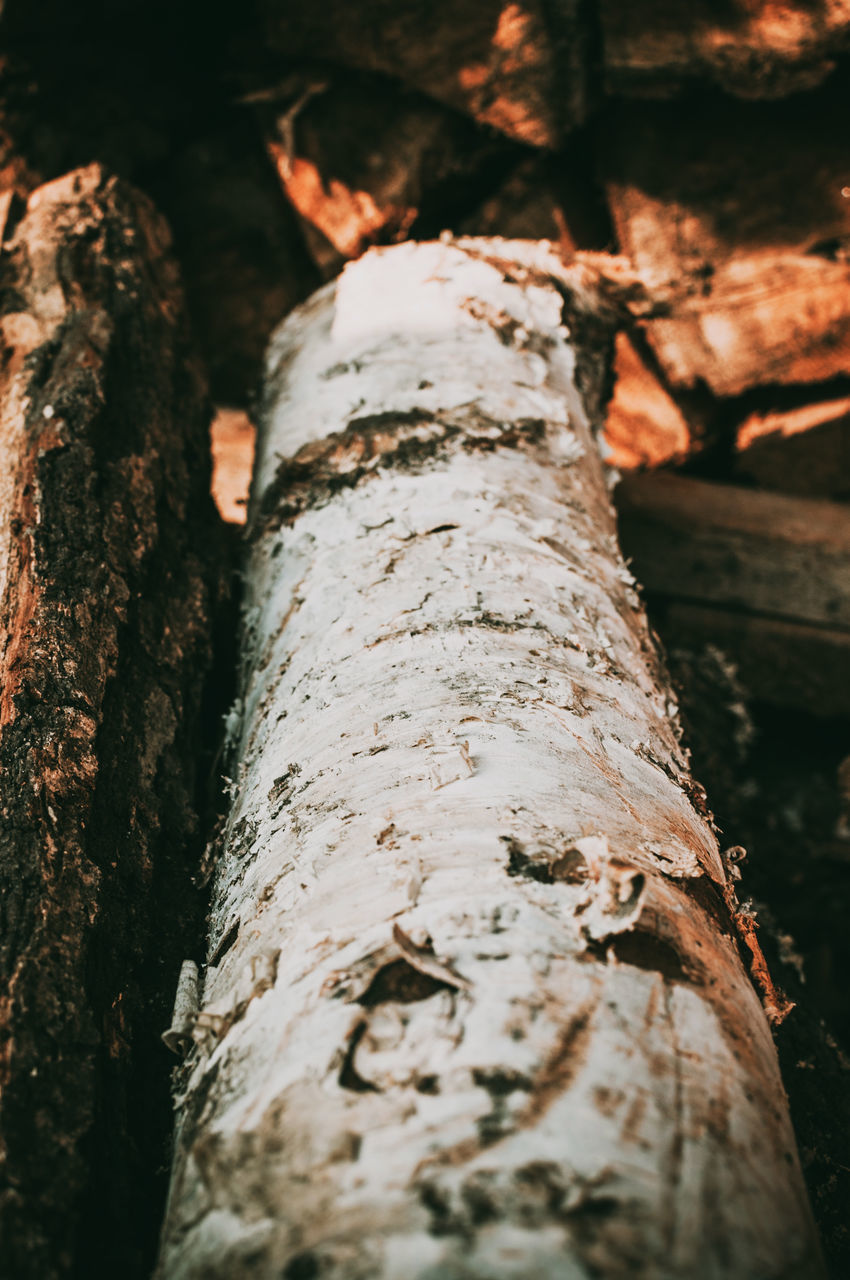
pixel 475 1004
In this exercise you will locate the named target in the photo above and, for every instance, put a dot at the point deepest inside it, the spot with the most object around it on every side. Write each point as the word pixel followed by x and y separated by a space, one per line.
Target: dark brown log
pixel 519 67
pixel 768 553
pixel 754 48
pixel 364 161
pixel 106 530
pixel 740 222
pixel 166 124
pixel 787 664
pixel 765 576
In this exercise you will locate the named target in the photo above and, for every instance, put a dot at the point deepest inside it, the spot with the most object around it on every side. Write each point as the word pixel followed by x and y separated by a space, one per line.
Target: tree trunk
pixel 475 1002
pixel 105 525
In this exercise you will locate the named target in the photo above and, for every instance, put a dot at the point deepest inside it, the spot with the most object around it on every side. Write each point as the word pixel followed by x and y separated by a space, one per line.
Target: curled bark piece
pixel 435 589
pixel 105 593
pixel 178 1037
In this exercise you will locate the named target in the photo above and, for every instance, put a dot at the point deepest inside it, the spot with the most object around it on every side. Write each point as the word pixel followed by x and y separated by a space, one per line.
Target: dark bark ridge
pixel 104 642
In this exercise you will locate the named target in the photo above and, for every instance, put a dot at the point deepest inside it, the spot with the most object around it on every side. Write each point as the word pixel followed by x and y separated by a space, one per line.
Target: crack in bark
pixel 562 1066
pixel 348 1077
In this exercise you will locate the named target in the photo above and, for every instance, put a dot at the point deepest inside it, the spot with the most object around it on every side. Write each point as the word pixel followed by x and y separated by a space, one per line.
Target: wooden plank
pixel 767 553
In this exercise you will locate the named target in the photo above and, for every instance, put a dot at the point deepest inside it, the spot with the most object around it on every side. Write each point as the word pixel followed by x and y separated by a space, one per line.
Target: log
pixel 524 206
pixel 556 198
pixel 363 161
pixel 741 225
pixel 474 1002
pixel 232 439
pixel 87 94
pixel 786 664
pixel 765 576
pixel 767 553
pixel 519 67
pixel 752 48
pixel 106 593
pixel 241 253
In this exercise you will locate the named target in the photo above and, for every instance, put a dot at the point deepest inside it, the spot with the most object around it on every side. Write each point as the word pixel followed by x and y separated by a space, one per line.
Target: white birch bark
pixel 475 1004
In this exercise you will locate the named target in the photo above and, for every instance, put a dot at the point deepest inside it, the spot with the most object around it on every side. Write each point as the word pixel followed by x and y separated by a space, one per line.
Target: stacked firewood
pixel 693 156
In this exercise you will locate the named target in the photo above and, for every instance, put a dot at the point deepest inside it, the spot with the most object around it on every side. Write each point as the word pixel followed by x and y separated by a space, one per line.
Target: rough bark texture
pixel 475 1002
pixel 105 522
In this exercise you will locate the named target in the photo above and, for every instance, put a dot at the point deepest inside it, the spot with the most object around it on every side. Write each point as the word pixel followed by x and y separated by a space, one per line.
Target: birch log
pixel 475 1003
pixel 105 594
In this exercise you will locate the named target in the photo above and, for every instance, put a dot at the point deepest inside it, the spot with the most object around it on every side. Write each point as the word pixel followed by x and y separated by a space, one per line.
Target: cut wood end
pixel 232 436
pixel 644 426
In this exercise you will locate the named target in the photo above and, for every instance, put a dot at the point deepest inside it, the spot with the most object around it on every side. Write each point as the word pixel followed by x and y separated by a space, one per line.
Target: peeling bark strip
pixel 477 1005
pixel 104 615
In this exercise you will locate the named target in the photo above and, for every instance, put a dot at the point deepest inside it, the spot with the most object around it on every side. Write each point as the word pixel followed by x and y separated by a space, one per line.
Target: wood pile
pixel 695 159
